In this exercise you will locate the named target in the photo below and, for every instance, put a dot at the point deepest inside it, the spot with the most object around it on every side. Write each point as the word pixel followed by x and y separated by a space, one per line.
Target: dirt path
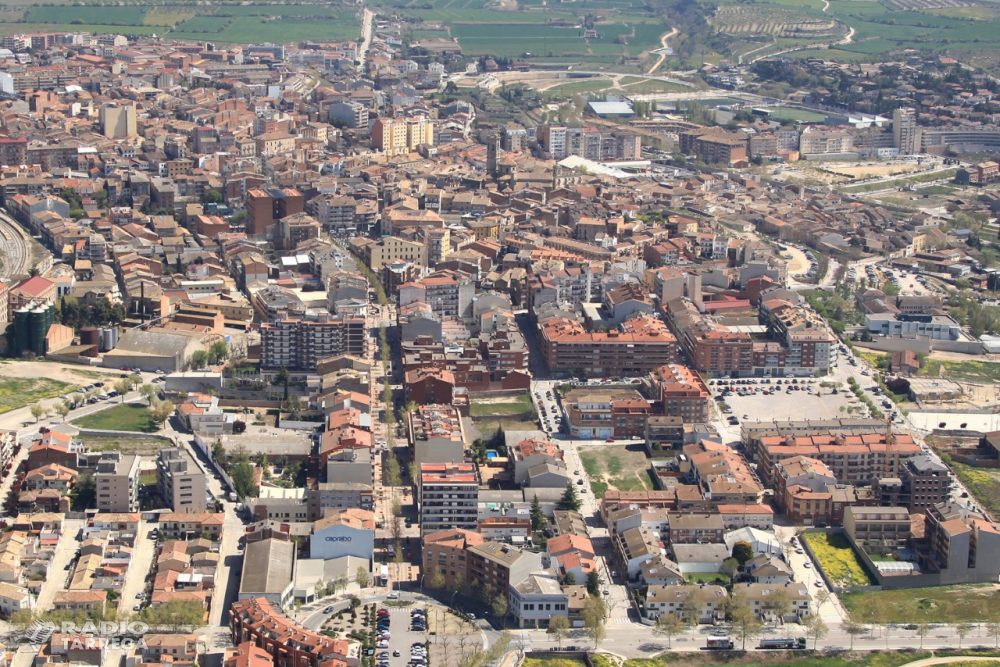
pixel 663 56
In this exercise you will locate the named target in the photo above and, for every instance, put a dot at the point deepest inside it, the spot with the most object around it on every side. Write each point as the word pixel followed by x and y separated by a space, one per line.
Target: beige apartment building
pixel 180 481
pixel 117 481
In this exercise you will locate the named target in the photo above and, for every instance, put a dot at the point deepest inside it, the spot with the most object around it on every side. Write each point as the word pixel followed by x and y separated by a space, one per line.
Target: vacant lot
pixel 616 466
pixel 983 483
pixel 941 604
pixel 501 406
pixel 122 417
pixel 962 371
pixel 141 446
pixel 838 560
pixel 18 392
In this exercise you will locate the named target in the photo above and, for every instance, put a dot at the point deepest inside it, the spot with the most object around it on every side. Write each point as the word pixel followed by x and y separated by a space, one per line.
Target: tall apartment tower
pixel 118 122
pixel 180 481
pixel 117 482
pixel 905 132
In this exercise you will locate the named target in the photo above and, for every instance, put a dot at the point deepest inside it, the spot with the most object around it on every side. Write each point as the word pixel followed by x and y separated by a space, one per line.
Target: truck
pixel 787 643
pixel 383 575
pixel 233 498
pixel 719 644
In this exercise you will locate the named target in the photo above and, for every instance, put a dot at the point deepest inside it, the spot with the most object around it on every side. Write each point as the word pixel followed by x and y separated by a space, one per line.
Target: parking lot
pixel 402 639
pixel 766 399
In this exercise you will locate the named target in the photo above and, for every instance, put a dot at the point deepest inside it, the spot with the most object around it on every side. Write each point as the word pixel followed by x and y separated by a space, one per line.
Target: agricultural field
pixel 773 20
pixel 838 560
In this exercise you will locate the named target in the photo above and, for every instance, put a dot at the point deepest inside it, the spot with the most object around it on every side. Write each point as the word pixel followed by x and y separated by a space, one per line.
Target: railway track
pixel 14 252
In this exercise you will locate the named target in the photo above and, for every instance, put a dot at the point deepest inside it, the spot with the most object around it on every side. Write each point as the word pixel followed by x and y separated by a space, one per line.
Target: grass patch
pixel 707 578
pixel 944 175
pixel 940 604
pixel 961 371
pixel 616 467
pixel 141 446
pixel 148 479
pixel 838 560
pixel 518 406
pixel 877 360
pixel 784 658
pixel 18 392
pixel 983 483
pixel 576 87
pixel 122 417
pixel 552 662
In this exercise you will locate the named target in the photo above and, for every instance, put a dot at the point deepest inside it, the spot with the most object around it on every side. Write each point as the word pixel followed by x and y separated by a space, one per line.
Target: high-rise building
pixel 180 480
pixel 448 496
pixel 118 121
pixel 298 342
pixel 905 132
pixel 117 482
pixel 399 136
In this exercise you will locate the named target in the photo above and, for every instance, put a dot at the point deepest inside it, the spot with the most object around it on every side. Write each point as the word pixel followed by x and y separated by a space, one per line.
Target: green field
pixel 788 113
pixel 940 604
pixel 617 467
pixel 18 392
pixel 120 16
pixel 204 24
pixel 141 446
pixel 594 85
pixel 122 417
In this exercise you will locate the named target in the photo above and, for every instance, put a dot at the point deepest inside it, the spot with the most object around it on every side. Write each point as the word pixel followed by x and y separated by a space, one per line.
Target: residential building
pixel 180 481
pixel 495 567
pixel 537 599
pixel 117 482
pixel 637 347
pixel 445 552
pixel 682 393
pixel 447 496
pixel 299 342
pixel 878 529
pixel 705 604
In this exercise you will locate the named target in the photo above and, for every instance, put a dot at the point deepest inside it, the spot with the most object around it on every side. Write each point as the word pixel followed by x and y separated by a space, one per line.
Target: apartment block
pixel 265 207
pixel 682 393
pixel 181 481
pixel 448 496
pixel 637 347
pixel 445 552
pixel 299 342
pixel 399 136
pixel 878 529
pixel 117 482
pixel 495 567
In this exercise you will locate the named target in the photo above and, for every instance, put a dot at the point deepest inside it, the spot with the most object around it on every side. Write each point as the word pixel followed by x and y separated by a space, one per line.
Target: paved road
pixel 66 551
pixel 139 568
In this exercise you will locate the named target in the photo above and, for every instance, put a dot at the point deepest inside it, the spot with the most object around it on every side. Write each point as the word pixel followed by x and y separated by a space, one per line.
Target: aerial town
pixel 374 353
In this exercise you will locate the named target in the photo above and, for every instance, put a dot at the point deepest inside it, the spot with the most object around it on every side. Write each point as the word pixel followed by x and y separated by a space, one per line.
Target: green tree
pixel 242 474
pixel 436 579
pixel 538 519
pixel 361 577
pixel 816 629
pixel 570 500
pixel 729 567
pixel 594 583
pixel 218 352
pixel 594 613
pixel 742 552
pixel 148 392
pixel 219 453
pixel 745 624
pixel 123 387
pixel 198 359
pixel 62 409
pixel 498 605
pixel 855 629
pixel 160 411
pixel 213 197
pixel 37 411
pixel 559 628
pixel 668 625
pixel 283 377
pixel 392 471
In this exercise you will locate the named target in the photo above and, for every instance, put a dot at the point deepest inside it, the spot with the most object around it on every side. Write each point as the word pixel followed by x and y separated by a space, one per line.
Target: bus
pixel 383 578
pixel 719 644
pixel 785 643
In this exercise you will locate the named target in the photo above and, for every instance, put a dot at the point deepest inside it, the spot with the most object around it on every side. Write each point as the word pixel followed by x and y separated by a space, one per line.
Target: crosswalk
pixel 619 621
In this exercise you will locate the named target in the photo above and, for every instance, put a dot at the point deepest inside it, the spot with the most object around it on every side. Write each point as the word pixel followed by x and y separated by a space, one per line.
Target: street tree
pixel 498 605
pixel 62 409
pixel 745 624
pixel 362 577
pixel 924 629
pixel 816 629
pixel 37 411
pixel 160 411
pixel 148 391
pixel 962 630
pixel 669 626
pixel 559 628
pixel 594 613
pixel 123 387
pixel 594 583
pixel 853 629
